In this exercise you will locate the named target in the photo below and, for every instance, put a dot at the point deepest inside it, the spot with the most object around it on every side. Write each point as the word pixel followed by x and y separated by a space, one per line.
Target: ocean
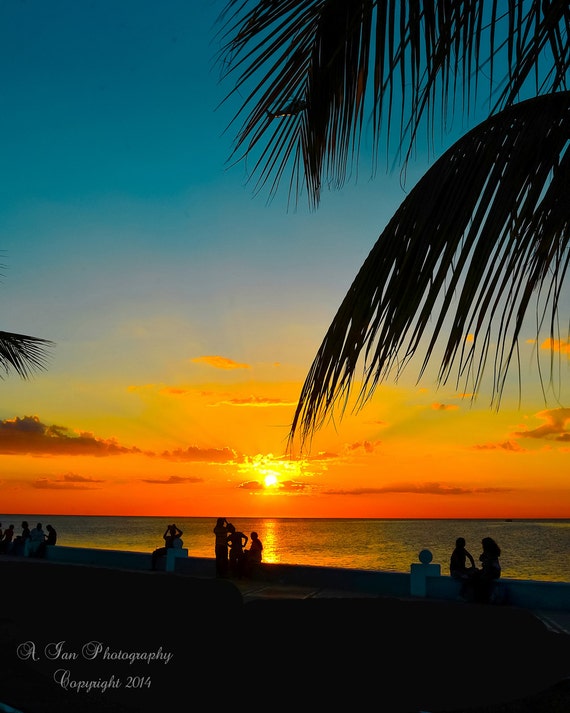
pixel 531 549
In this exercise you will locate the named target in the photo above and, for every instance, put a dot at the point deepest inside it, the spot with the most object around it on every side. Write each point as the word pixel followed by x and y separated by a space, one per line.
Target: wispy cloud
pixel 444 407
pixel 254 401
pixel 202 455
pixel 68 481
pixel 504 446
pixel 172 480
pixel 556 345
pixel 219 362
pixel 555 427
pixel 429 488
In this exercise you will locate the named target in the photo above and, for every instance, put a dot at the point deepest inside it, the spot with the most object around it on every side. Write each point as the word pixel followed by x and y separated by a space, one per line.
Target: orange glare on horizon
pixel 270 480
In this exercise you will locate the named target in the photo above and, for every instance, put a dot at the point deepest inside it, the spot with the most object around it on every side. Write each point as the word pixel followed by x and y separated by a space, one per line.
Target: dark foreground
pixel 160 640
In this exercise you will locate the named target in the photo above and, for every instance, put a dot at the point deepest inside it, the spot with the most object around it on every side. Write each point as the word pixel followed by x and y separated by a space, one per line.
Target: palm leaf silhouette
pixel 483 236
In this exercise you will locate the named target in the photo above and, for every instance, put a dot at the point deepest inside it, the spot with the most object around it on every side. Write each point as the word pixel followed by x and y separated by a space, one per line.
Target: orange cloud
pixel 172 480
pixel 29 436
pixel 365 446
pixel 254 401
pixel 506 446
pixel 421 488
pixel 219 362
pixel 69 481
pixel 202 455
pixel 444 407
pixel 556 345
pixel 554 428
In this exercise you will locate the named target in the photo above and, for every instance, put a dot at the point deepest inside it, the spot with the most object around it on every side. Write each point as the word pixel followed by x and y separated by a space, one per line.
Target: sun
pixel 270 480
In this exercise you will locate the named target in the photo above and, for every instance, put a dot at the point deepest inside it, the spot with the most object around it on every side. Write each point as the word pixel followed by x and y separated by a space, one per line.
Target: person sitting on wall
pixel 172 538
pixel 458 568
pixel 6 543
pixel 35 541
pixel 50 539
pixel 252 556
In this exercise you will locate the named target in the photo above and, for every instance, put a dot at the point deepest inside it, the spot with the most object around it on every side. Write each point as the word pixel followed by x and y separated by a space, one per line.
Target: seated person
pixel 458 568
pixel 172 539
pixel 252 557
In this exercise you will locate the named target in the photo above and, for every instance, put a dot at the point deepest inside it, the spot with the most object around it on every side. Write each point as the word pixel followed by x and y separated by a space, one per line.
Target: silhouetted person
pixel 172 538
pixel 19 543
pixel 50 539
pixel 35 541
pixel 458 568
pixel 236 541
pixel 6 542
pixel 221 547
pixel 252 557
pixel 483 581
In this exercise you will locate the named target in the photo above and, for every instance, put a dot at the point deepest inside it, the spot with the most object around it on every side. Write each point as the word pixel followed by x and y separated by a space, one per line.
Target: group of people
pixel 232 557
pixel 477 583
pixel 30 542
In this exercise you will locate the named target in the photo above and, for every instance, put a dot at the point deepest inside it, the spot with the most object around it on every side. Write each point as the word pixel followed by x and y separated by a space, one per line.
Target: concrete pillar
pixel 420 572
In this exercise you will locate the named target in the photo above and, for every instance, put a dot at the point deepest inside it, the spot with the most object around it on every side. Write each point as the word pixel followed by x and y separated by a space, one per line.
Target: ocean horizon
pixel 535 549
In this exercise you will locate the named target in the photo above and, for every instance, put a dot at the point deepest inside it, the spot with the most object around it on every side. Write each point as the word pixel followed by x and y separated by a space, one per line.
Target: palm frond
pixel 484 234
pixel 23 354
pixel 395 63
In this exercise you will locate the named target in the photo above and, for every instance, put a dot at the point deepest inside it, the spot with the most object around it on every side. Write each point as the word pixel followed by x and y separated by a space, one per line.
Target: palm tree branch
pixel 477 239
pixel 333 54
pixel 23 353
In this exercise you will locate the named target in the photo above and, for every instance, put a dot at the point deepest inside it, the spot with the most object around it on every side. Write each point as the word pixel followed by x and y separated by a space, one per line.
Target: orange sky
pixel 207 448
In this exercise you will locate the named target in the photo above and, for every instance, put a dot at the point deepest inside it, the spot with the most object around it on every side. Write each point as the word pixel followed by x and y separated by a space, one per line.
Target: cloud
pixel 555 427
pixel 444 407
pixel 254 401
pixel 419 488
pixel 281 487
pixel 29 436
pixel 172 480
pixel 68 481
pixel 505 446
pixel 366 446
pixel 202 455
pixel 219 362
pixel 556 345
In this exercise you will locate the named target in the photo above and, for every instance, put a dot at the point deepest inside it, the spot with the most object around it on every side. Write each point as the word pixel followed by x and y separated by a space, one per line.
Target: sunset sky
pixel 186 311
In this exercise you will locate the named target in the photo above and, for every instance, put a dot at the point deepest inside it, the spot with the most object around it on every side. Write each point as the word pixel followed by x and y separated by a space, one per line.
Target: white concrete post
pixel 420 572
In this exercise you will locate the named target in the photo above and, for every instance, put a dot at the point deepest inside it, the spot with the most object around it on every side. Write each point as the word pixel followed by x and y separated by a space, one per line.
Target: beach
pixel 93 639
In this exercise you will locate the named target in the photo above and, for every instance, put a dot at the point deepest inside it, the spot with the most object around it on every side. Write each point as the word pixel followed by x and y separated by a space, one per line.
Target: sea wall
pixel 424 578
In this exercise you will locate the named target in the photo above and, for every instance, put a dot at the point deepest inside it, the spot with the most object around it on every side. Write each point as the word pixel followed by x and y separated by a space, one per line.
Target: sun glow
pixel 269 480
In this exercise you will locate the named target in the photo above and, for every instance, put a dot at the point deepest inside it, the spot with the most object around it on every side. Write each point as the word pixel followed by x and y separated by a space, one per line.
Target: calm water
pixel 531 549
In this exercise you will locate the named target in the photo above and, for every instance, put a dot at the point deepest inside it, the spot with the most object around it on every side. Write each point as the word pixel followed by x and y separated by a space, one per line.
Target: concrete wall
pixel 524 593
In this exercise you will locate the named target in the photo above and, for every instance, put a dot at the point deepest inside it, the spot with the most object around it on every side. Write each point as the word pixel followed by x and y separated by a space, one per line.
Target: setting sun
pixel 270 480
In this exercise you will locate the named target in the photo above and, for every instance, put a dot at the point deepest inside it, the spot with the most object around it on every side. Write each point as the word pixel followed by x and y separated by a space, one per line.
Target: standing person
pixel 252 557
pixel 237 541
pixel 221 547
pixel 458 568
pixel 490 571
